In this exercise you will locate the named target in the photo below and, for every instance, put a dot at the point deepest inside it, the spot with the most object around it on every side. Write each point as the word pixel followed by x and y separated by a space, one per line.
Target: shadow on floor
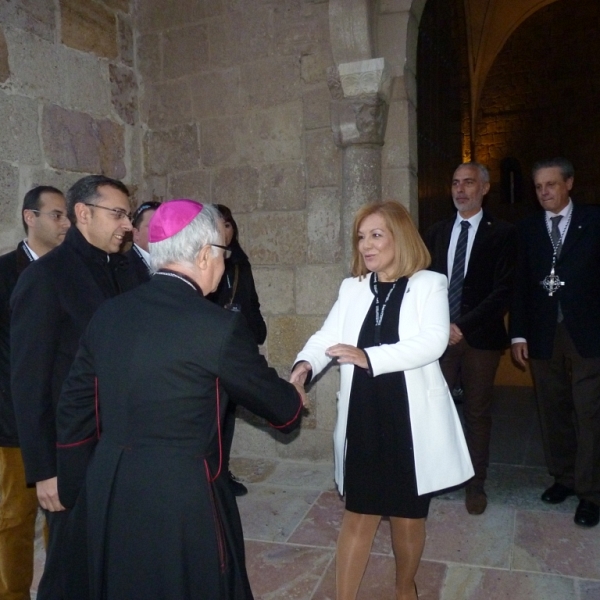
pixel 519 549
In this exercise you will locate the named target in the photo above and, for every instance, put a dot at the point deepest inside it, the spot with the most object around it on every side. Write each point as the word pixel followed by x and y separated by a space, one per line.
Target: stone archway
pixel 375 43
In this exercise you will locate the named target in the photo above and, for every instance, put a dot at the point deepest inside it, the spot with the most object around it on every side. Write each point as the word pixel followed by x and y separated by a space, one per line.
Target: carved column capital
pixel 359 106
pixel 359 121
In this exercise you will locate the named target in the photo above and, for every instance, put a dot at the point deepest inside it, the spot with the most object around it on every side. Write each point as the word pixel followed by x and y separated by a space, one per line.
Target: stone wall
pixel 67 98
pixel 235 110
pixel 222 101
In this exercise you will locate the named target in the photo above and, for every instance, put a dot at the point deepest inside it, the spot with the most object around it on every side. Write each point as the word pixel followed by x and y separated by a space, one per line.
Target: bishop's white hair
pixel 183 247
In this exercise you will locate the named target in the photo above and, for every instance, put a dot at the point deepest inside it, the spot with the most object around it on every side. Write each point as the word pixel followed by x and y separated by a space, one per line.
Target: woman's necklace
pixel 379 313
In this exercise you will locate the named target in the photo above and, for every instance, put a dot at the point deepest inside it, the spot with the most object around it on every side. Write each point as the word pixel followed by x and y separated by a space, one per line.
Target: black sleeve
pixel 247 377
pixel 247 297
pixel 496 303
pixel 518 321
pixel 77 424
pixel 35 328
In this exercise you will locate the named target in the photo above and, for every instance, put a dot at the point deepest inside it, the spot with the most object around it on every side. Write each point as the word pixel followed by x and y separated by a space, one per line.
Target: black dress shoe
pixel 557 493
pixel 587 514
pixel 236 486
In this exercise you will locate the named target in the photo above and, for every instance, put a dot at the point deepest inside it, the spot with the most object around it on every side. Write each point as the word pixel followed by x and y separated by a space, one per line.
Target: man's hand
pixel 520 353
pixel 300 372
pixel 455 334
pixel 47 493
pixel 303 395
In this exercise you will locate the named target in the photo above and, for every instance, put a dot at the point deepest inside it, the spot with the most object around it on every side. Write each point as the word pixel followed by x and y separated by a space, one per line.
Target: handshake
pixel 344 353
pixel 298 378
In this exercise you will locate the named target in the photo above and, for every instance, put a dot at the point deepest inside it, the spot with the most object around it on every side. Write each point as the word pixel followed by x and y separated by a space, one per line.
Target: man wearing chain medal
pixel 555 324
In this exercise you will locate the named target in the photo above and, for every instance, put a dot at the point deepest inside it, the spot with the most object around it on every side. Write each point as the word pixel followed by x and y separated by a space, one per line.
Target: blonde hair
pixel 411 254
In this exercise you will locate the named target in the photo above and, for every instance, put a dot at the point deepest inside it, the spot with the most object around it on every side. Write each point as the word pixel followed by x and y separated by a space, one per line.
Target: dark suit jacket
pixel 245 292
pixel 11 266
pixel 533 311
pixel 137 266
pixel 488 280
pixel 51 306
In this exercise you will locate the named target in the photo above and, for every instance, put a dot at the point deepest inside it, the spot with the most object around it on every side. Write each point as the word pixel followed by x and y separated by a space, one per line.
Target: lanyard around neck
pixel 380 312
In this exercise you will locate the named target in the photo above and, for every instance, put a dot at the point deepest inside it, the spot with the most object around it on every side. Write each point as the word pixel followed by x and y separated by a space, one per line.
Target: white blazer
pixel 441 454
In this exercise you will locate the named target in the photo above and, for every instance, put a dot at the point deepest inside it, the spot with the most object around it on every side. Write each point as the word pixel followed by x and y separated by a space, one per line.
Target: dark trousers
pixel 568 395
pixel 65 574
pixel 51 585
pixel 476 369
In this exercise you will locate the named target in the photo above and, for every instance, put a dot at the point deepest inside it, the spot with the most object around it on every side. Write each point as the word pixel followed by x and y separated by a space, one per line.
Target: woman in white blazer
pixel 397 437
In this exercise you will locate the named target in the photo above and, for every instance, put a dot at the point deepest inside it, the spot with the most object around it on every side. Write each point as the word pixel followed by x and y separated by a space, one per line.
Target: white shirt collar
pixel 145 255
pixel 33 254
pixel 474 220
pixel 564 212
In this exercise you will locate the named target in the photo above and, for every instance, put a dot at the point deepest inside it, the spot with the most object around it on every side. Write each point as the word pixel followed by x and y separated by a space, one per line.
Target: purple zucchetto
pixel 171 217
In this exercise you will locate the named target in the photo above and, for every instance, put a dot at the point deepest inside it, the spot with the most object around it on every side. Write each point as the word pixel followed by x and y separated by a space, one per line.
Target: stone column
pixel 359 106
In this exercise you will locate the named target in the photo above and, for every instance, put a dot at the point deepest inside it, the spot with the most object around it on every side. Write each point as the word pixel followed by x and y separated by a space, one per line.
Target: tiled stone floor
pixel 519 549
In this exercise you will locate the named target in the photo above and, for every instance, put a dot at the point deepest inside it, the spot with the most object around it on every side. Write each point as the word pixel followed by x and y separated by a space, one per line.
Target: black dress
pixel 380 473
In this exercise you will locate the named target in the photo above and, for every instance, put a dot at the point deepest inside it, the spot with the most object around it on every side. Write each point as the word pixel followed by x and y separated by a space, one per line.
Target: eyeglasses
pixel 117 213
pixel 226 250
pixel 54 215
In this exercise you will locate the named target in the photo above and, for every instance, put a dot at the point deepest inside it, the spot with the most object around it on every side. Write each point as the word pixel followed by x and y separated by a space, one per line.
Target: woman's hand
pixel 347 354
pixel 300 372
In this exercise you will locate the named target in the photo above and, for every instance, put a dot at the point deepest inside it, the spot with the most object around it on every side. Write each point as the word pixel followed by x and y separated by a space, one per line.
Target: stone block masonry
pixel 68 98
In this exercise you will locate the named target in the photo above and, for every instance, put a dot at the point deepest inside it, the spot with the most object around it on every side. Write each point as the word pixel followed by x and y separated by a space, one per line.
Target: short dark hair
pixel 86 189
pixel 225 212
pixel 32 200
pixel 565 166
pixel 141 209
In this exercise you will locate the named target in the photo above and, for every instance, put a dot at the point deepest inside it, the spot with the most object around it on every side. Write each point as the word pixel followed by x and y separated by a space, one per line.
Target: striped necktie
pixel 458 272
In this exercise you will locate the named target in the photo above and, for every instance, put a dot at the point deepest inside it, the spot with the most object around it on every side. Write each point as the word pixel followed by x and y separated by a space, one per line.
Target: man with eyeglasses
pixel 51 305
pixel 138 255
pixel 44 216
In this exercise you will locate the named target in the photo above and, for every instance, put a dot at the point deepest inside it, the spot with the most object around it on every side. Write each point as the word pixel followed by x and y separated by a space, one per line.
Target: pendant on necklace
pixel 552 283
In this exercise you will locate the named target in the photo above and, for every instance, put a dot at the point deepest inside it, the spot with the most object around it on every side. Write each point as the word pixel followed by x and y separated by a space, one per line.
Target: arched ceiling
pixel 489 25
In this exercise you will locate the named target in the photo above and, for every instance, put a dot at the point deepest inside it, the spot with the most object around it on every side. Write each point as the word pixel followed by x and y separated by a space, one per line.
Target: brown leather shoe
pixel 475 499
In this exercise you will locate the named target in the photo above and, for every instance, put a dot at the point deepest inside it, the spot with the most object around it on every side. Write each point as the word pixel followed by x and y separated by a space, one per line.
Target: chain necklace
pixel 170 274
pixel 552 283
